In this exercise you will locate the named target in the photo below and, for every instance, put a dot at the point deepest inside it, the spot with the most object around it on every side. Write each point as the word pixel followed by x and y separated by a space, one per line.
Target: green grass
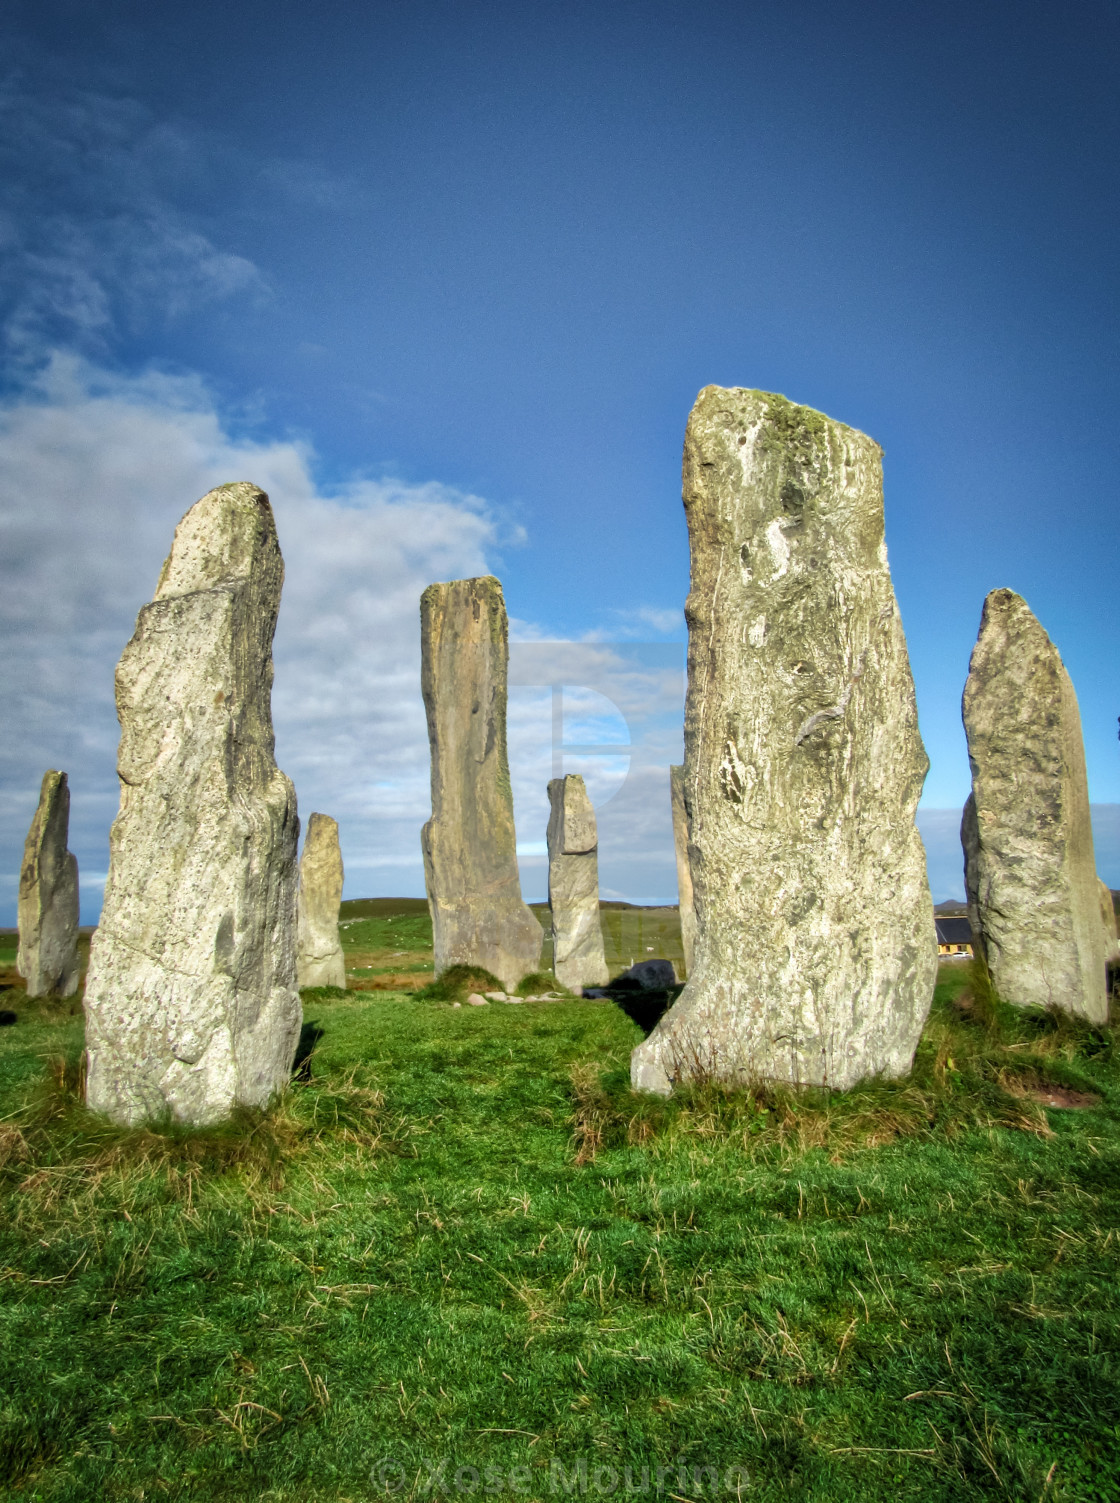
pixel 387 943
pixel 386 924
pixel 465 1239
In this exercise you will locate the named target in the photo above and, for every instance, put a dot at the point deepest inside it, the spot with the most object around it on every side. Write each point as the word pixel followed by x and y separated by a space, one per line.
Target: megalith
pixel 686 901
pixel 470 849
pixel 815 954
pixel 319 960
pixel 47 911
pixel 573 886
pixel 191 1000
pixel 1030 873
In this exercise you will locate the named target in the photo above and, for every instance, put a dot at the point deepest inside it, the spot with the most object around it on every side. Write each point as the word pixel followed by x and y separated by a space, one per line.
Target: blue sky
pixel 447 278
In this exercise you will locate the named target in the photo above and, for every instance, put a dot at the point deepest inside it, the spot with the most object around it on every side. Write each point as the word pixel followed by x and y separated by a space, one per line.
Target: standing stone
pixel 470 850
pixel 1108 921
pixel 815 953
pixel 48 897
pixel 320 961
pixel 686 901
pixel 1030 873
pixel 573 886
pixel 191 1000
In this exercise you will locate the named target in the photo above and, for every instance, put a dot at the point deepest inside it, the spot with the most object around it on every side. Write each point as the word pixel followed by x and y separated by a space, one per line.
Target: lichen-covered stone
pixel 573 886
pixel 1030 873
pixel 815 952
pixel 686 901
pixel 320 961
pixel 191 1000
pixel 1108 922
pixel 48 897
pixel 470 849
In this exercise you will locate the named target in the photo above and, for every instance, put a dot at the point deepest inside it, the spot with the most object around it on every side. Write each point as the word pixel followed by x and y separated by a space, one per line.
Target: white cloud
pixel 95 471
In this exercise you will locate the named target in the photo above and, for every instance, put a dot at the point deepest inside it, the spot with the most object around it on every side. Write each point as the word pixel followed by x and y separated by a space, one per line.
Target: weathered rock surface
pixel 191 1000
pixel 686 901
pixel 48 897
pixel 319 960
pixel 1030 873
pixel 573 885
pixel 470 849
pixel 1108 920
pixel 815 953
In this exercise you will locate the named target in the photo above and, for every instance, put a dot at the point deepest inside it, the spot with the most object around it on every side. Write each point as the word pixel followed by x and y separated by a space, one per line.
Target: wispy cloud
pixel 643 620
pixel 104 218
pixel 103 232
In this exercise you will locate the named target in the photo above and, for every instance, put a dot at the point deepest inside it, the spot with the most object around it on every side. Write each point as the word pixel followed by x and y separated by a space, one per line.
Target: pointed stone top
pixel 220 540
pixel 1011 644
pixel 1010 610
pixel 52 817
pixel 320 826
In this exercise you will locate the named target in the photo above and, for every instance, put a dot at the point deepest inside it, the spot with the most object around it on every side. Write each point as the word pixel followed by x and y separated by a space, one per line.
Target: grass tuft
pixel 61 1157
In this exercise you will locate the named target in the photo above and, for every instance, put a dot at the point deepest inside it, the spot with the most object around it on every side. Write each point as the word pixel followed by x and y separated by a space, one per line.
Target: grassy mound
pixel 537 982
pixel 456 984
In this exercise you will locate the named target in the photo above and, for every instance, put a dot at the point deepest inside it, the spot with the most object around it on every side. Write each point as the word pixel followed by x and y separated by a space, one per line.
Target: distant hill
pixel 360 908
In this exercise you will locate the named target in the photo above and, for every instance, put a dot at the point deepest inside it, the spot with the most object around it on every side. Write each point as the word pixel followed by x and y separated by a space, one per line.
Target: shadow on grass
pixel 309 1036
pixel 645 1008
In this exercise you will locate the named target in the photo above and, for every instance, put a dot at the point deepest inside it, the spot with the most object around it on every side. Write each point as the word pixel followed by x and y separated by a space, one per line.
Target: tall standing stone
pixel 815 953
pixel 1030 873
pixel 191 1000
pixel 48 897
pixel 470 849
pixel 573 886
pixel 686 900
pixel 320 961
